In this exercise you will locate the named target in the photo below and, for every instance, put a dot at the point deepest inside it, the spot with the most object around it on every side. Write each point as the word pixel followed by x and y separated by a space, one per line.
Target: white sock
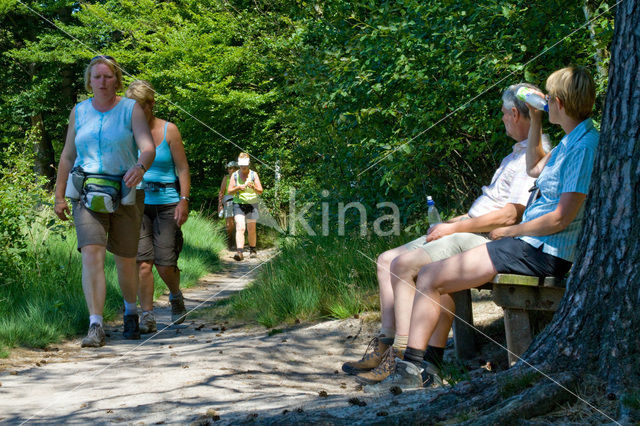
pixel 130 308
pixel 95 319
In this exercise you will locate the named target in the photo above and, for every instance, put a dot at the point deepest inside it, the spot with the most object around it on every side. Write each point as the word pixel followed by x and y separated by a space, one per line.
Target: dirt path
pixel 194 372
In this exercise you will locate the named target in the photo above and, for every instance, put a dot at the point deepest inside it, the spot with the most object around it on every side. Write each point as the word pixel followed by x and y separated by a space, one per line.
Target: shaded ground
pixel 201 372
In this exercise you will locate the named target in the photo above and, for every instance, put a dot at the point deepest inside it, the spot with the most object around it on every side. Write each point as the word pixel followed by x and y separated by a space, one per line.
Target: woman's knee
pixel 145 268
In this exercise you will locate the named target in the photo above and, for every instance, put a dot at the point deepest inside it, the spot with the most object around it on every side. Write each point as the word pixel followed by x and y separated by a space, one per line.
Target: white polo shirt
pixel 510 183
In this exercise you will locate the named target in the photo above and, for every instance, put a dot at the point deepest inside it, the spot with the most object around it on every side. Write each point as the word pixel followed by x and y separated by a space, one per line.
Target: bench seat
pixel 518 296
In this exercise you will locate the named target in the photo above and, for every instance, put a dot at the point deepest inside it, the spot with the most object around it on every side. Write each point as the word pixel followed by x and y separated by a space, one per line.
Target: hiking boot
pixel 238 256
pixel 178 311
pixel 131 328
pixel 386 367
pixel 148 323
pixel 407 376
pixel 370 360
pixel 253 252
pixel 95 337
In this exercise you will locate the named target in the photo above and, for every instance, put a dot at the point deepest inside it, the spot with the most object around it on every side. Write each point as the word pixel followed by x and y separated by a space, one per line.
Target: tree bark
pixel 597 328
pixel 44 159
pixel 42 147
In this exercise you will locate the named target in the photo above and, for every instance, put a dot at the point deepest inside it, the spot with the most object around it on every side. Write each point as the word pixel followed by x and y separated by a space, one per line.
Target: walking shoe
pixel 252 252
pixel 95 337
pixel 148 323
pixel 386 367
pixel 178 311
pixel 238 256
pixel 370 360
pixel 131 328
pixel 407 376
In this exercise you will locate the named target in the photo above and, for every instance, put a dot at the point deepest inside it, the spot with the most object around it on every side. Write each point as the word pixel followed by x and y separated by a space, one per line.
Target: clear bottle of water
pixel 529 96
pixel 432 212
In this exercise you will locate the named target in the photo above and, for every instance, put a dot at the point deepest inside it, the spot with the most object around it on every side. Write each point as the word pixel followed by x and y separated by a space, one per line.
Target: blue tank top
pixel 162 170
pixel 104 140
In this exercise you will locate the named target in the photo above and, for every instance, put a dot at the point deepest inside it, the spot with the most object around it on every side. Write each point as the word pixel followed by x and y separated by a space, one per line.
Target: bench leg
pixel 518 331
pixel 463 334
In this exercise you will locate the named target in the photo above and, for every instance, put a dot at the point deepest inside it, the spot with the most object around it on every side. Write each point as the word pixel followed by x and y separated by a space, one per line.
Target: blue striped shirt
pixel 568 170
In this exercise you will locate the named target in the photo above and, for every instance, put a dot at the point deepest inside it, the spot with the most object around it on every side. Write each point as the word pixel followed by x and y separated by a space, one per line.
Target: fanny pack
pixel 101 193
pixel 157 186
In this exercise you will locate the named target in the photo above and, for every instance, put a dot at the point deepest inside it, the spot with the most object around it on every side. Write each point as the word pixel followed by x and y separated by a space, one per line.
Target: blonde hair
pixel 575 88
pixel 141 91
pixel 108 61
pixel 243 155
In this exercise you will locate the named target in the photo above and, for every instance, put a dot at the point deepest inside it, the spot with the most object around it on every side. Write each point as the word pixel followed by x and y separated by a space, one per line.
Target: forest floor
pixel 205 371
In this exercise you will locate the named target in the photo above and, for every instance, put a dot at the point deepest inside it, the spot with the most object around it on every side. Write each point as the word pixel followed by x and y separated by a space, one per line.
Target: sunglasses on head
pixel 107 57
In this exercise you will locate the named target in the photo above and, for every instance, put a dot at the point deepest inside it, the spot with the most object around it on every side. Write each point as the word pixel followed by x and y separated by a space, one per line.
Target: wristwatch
pixel 185 198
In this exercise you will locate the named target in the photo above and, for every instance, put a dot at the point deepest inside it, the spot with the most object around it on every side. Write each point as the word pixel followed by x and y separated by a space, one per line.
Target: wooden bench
pixel 519 296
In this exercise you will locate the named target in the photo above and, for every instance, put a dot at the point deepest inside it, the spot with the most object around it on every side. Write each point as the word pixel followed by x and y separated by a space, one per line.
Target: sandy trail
pixel 192 372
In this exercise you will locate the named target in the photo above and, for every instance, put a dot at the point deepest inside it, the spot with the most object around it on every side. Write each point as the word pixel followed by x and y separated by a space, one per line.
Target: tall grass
pixel 312 278
pixel 41 300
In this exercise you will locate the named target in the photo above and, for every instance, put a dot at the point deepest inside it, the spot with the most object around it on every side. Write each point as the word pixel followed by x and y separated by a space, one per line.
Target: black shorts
pixel 514 256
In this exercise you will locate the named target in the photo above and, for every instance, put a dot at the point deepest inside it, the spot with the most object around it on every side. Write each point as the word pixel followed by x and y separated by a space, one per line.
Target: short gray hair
pixel 509 99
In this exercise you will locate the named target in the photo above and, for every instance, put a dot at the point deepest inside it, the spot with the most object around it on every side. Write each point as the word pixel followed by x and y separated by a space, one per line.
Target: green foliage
pixel 313 278
pixel 22 203
pixel 414 88
pixel 325 89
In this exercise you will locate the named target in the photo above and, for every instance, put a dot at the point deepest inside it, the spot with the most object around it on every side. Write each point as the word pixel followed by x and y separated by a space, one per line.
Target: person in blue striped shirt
pixel 543 244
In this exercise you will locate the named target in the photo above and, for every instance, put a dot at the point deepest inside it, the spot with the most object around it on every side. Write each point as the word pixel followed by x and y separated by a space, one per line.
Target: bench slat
pixel 513 279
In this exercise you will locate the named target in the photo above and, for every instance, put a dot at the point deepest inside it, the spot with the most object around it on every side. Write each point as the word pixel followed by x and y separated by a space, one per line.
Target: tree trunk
pixel 597 328
pixel 44 159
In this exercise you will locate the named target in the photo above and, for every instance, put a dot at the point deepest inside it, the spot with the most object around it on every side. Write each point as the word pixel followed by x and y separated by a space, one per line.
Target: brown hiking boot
pixel 370 360
pixel 386 367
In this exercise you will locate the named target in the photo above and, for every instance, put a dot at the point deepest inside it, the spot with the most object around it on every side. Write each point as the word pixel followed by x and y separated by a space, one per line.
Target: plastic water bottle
pixel 432 212
pixel 529 96
pixel 221 213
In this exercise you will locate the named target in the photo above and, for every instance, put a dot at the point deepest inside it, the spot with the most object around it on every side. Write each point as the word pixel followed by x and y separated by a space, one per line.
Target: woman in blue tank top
pixel 104 135
pixel 166 209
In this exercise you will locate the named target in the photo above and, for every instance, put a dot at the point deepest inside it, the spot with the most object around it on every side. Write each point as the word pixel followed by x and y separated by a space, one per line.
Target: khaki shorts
pixel 448 246
pixel 160 236
pixel 118 231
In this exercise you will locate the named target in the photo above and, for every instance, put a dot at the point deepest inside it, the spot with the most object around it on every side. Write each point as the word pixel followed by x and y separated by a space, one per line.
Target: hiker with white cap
pixel 245 186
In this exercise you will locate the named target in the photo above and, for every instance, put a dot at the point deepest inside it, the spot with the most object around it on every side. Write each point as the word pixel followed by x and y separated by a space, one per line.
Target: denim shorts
pixel 249 211
pixel 514 256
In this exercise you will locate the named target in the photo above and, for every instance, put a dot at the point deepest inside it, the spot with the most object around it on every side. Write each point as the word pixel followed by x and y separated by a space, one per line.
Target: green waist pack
pixel 101 193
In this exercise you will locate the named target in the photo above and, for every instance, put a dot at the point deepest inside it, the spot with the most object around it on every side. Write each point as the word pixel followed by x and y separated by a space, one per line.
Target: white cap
pixel 243 161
